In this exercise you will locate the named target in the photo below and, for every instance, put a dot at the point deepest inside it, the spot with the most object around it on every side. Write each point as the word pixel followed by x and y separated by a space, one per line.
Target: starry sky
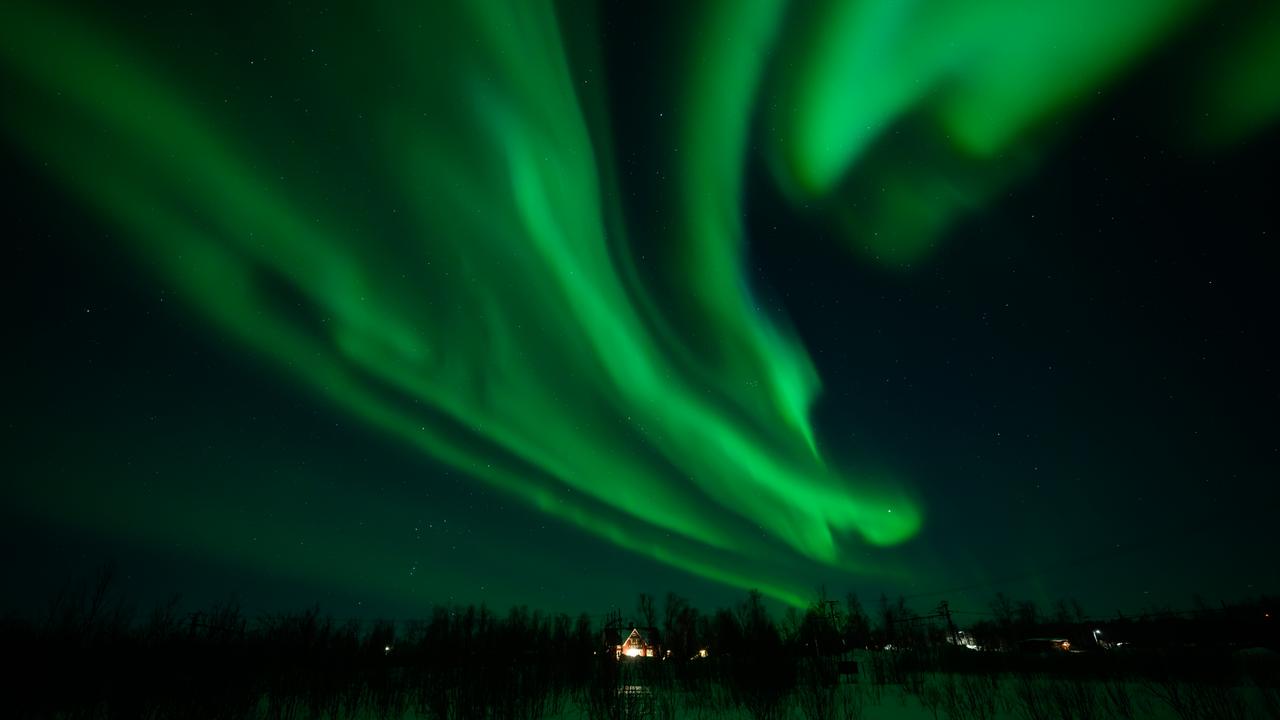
pixel 554 303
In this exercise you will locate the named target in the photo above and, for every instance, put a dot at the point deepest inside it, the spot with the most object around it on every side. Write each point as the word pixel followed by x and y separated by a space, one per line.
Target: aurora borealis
pixel 523 249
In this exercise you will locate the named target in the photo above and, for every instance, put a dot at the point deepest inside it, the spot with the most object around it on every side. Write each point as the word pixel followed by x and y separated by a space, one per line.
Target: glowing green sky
pixel 416 215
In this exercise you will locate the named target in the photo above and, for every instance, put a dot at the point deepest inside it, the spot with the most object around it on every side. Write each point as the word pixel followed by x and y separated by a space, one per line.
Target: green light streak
pixel 460 282
pixel 507 322
pixel 973 82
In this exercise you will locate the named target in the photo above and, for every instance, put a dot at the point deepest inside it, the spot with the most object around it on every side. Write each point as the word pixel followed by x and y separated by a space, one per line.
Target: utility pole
pixel 944 609
pixel 826 610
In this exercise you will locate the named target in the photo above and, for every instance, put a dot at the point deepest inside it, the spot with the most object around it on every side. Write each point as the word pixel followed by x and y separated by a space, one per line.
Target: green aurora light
pixel 447 260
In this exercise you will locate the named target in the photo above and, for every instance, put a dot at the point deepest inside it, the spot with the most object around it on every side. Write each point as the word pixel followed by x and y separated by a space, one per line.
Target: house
pixel 640 643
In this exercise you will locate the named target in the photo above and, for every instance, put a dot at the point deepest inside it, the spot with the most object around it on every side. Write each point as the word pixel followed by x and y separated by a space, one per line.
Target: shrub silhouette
pixel 89 655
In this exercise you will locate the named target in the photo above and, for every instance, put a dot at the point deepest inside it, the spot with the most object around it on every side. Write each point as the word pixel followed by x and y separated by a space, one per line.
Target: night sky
pixel 519 302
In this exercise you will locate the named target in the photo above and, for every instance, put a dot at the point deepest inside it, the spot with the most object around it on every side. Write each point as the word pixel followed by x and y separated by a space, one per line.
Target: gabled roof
pixel 616 635
pixel 638 638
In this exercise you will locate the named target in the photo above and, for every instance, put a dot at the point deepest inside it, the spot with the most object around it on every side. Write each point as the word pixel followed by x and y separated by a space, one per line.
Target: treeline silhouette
pixel 91 656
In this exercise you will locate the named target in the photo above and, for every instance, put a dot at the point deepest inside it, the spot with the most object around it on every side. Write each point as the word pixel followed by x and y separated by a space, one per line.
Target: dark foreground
pixel 93 658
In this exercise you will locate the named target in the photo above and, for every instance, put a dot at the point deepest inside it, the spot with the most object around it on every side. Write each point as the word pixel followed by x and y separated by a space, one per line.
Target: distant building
pixel 964 639
pixel 1043 645
pixel 639 644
